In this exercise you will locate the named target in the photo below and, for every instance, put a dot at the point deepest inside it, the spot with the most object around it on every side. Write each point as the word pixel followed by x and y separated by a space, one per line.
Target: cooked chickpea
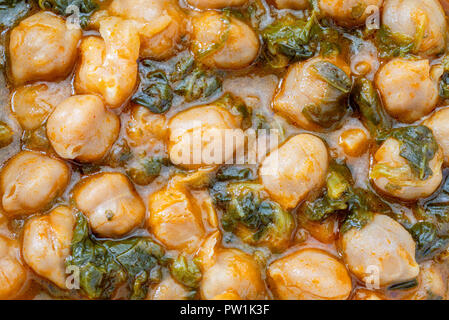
pixel 196 136
pixel 408 89
pixel 82 129
pixel 109 64
pixel 160 24
pixel 383 249
pixel 175 218
pixel 363 294
pixel 400 181
pixel 298 167
pixel 217 4
pixel 438 124
pixel 233 274
pixel 223 42
pixel 168 289
pixel 42 47
pixel 309 274
pixel 421 21
pixel 30 181
pixel 46 244
pixel 111 204
pixel 32 104
pixel 13 274
pixel 292 4
pixel 349 12
pixel 354 142
pixel 303 87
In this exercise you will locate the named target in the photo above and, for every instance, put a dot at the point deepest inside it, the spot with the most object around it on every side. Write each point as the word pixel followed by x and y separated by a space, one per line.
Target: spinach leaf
pixel 61 7
pixel 393 45
pixel 186 272
pixel 144 170
pixel 233 173
pixel 366 98
pixel 333 75
pixel 418 147
pixel 105 265
pixel 404 285
pixel 154 92
pixel 11 11
pixel 428 242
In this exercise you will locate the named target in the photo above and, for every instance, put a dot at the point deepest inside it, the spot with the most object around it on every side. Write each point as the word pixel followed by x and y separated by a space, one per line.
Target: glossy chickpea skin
pixel 349 12
pixel 401 182
pixel 161 24
pixel 382 250
pixel 223 42
pixel 109 64
pixel 30 181
pixel 195 135
pixel 302 87
pixel 420 21
pixel 438 123
pixel 82 129
pixel 408 89
pixel 42 47
pixel 46 244
pixel 110 203
pixel 13 274
pixel 168 289
pixel 309 274
pixel 292 171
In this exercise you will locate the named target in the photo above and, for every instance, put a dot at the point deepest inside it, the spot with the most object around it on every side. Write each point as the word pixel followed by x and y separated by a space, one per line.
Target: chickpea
pixel 408 89
pixel 6 135
pixel 349 12
pixel 13 274
pixel 32 104
pixel 82 129
pixel 109 64
pixel 432 284
pixel 42 47
pixel 303 87
pixel 383 249
pixel 46 244
pixel 420 21
pixel 310 274
pixel 363 294
pixel 438 124
pixel 175 219
pixel 168 289
pixel 292 171
pixel 223 42
pixel 111 204
pixel 30 181
pixel 354 142
pixel 233 274
pixel 292 4
pixel 220 4
pixel 196 136
pixel 160 23
pixel 401 182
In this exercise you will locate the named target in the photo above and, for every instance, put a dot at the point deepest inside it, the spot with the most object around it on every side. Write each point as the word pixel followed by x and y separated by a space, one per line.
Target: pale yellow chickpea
pixel 408 89
pixel 175 218
pixel 46 244
pixel 161 24
pixel 292 4
pixel 309 274
pixel 13 274
pixel 381 253
pixel 168 289
pixel 302 86
pixel 431 282
pixel 42 47
pixel 397 178
pixel 30 181
pixel 32 104
pixel 232 275
pixel 354 142
pixel 109 64
pixel 223 42
pixel 196 136
pixel 81 128
pixel 111 204
pixel 349 12
pixel 216 4
pixel 292 171
pixel 422 22
pixel 438 123
pixel 364 294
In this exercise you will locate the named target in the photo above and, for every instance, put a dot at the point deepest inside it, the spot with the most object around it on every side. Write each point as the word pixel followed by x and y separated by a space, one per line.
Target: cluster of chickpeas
pixel 82 114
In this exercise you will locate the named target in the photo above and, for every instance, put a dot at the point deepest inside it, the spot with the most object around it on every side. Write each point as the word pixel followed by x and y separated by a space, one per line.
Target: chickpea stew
pixel 227 149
